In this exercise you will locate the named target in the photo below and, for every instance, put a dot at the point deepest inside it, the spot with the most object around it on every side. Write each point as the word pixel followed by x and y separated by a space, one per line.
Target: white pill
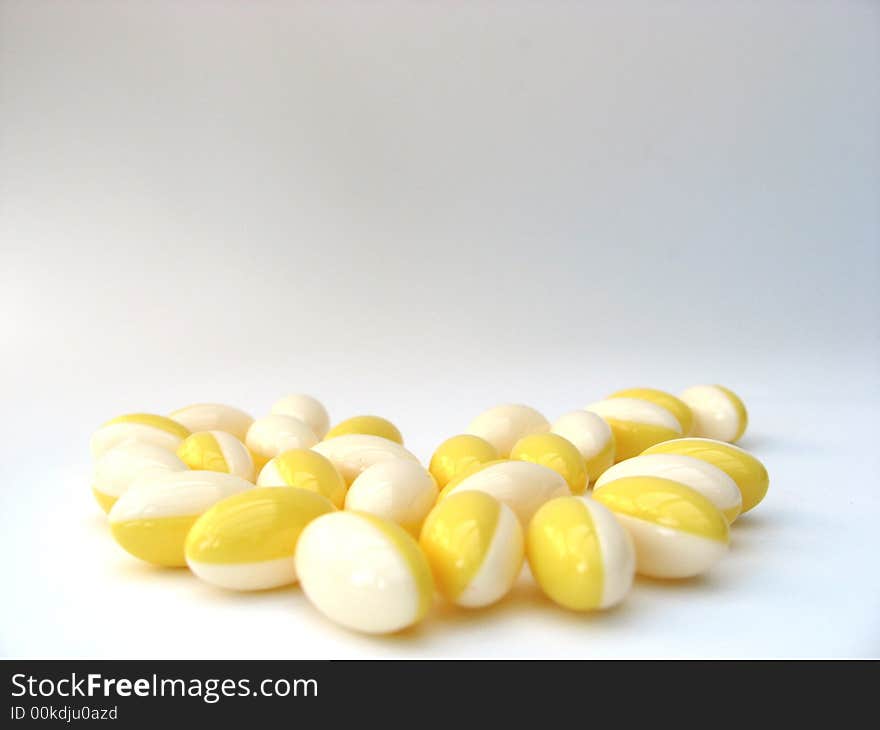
pixel 401 491
pixel 353 453
pixel 116 469
pixel 272 435
pixel 214 417
pixel 502 426
pixel 307 409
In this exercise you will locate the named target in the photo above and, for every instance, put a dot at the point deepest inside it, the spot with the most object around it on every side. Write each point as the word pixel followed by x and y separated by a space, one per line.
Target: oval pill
pixel 399 491
pixel 592 436
pixel 368 425
pixel 353 453
pixel 579 554
pixel 474 545
pixel 459 454
pixel 363 572
pixel 138 427
pixel 305 469
pixel 307 409
pixel 247 542
pixel 214 417
pixel 636 424
pixel 675 406
pixel 555 452
pixel 217 451
pixel 502 426
pixel 718 412
pixel 117 469
pixel 273 435
pixel 677 532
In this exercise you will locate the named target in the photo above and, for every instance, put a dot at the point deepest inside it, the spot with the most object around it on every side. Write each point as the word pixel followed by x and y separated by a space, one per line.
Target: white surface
pixel 422 210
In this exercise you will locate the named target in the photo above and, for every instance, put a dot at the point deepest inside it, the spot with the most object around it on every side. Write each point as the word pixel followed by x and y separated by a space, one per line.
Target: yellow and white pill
pixel 305 469
pixel 356 452
pixel 400 491
pixel 555 452
pixel 145 428
pixel 363 572
pixel 592 436
pixel 273 435
pixel 307 409
pixel 116 470
pixel 459 454
pixel 214 417
pixel 521 485
pixel 718 412
pixel 474 545
pixel 675 406
pixel 247 542
pixel 677 532
pixel 503 426
pixel 217 451
pixel 636 424
pixel 579 554
pixel 367 425
pixel 749 474
pixel 701 476
pixel 151 520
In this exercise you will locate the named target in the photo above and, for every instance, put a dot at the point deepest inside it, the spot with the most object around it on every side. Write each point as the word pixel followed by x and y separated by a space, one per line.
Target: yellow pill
pixel 305 469
pixel 503 426
pixel 718 412
pixel 214 417
pixel 355 452
pixel 273 435
pixel 676 407
pixel 592 436
pixel 217 451
pixel 636 424
pixel 367 425
pixel 555 452
pixel 307 409
pixel 677 532
pixel 247 542
pixel 458 454
pixel 138 428
pixel 151 520
pixel 400 491
pixel 749 474
pixel 579 554
pixel 474 545
pixel 118 468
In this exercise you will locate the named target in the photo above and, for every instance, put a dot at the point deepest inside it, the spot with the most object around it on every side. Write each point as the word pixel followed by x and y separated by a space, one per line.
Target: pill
pixel 636 424
pixel 275 434
pixel 503 426
pixel 749 474
pixel 307 409
pixel 459 454
pixel 521 485
pixel 677 532
pixel 363 572
pixel 400 491
pixel 675 406
pixel 592 436
pixel 217 451
pixel 701 476
pixel 305 469
pixel 117 468
pixel 555 452
pixel 474 545
pixel 152 518
pixel 368 425
pixel 138 427
pixel 246 542
pixel 214 417
pixel 355 452
pixel 579 554
pixel 718 412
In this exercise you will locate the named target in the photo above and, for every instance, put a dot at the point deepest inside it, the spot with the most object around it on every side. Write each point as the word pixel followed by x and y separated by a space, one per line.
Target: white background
pixel 421 210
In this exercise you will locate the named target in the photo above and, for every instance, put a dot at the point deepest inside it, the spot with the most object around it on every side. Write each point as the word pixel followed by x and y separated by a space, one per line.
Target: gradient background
pixel 421 210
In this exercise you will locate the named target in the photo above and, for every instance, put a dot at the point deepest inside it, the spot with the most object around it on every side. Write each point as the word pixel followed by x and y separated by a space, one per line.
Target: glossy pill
pixel 521 485
pixel 214 417
pixel 363 572
pixel 305 469
pixel 307 409
pixel 677 532
pixel 459 454
pixel 718 412
pixel 368 425
pixel 474 545
pixel 138 428
pixel 400 491
pixel 217 451
pixel 118 468
pixel 555 452
pixel 247 542
pixel 151 520
pixel 675 406
pixel 579 554
pixel 592 436
pixel 355 452
pixel 273 435
pixel 636 424
pixel 749 474
pixel 701 476
pixel 503 426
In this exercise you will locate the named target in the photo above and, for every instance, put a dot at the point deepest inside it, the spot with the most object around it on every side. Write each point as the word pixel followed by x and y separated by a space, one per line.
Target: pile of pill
pixel 642 482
